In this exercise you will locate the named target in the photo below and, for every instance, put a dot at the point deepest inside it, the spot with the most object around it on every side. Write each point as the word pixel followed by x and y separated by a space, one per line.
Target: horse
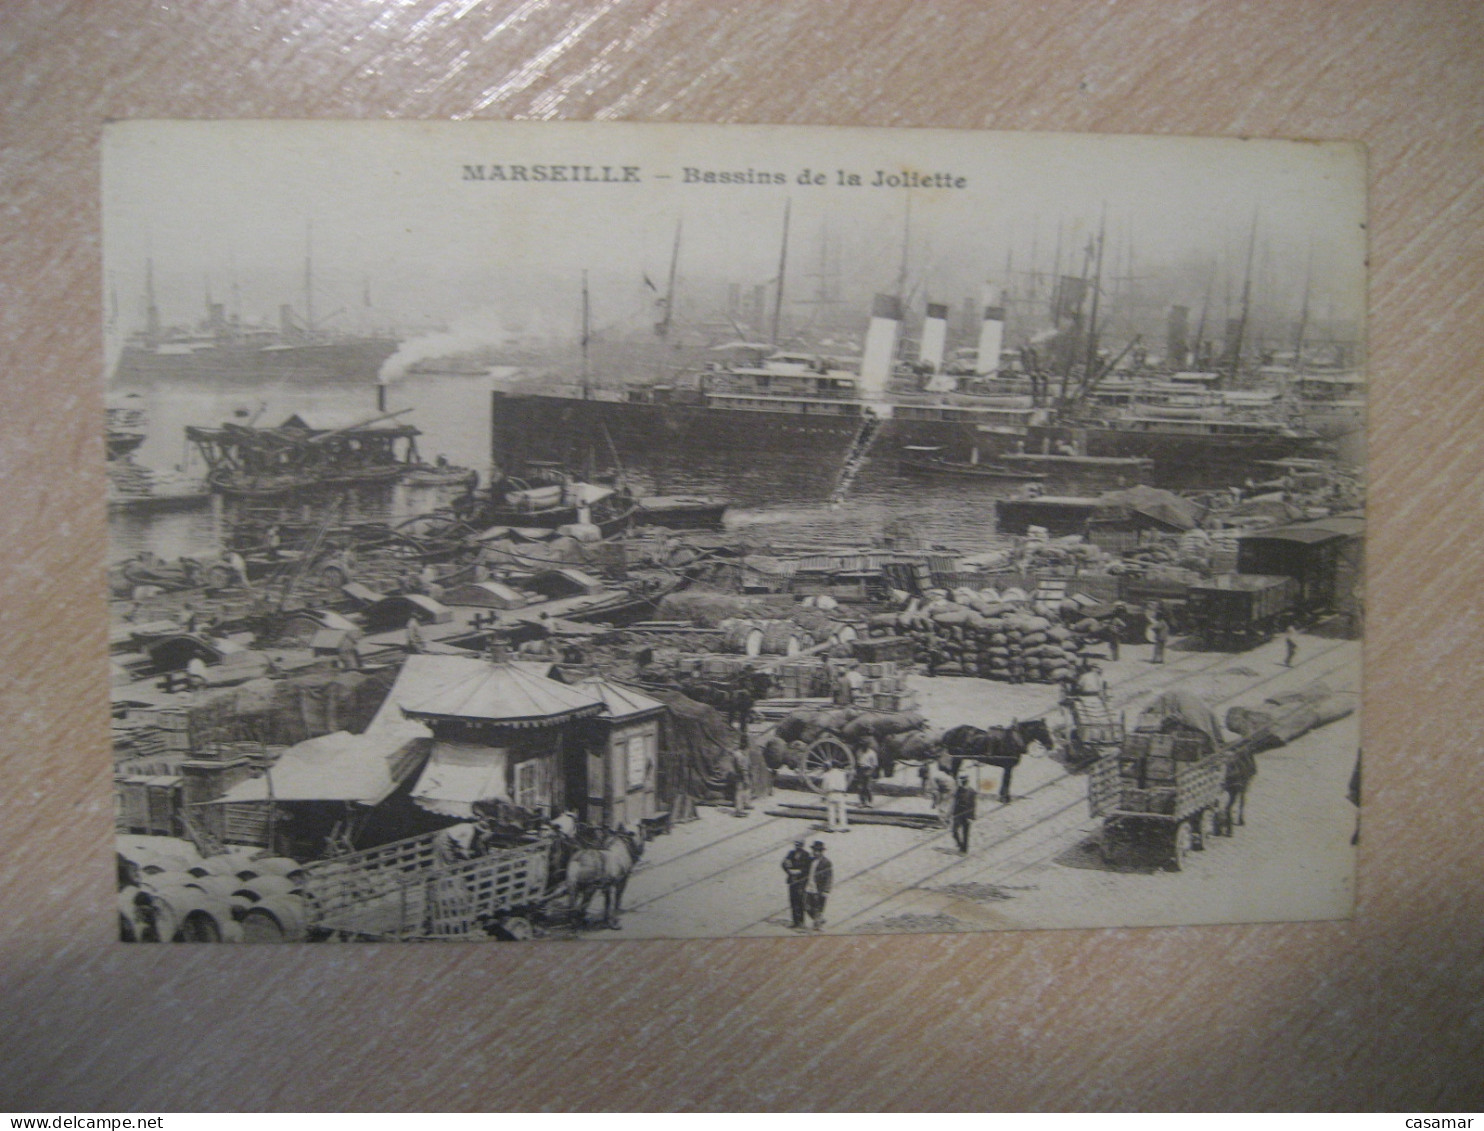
pixel 1241 768
pixel 735 695
pixel 607 869
pixel 1001 747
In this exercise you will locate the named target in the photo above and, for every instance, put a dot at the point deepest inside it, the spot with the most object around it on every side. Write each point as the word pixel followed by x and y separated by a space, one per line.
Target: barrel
pixel 844 634
pixel 280 919
pixel 779 638
pixel 744 638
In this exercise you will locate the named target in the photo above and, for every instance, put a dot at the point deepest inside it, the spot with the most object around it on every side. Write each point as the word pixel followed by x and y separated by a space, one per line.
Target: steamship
pixel 786 402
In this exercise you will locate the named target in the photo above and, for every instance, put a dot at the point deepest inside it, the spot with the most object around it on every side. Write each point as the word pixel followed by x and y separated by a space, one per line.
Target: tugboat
pixel 546 496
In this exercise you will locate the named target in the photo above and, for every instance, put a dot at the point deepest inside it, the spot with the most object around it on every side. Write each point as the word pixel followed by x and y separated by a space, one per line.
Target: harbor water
pixel 780 500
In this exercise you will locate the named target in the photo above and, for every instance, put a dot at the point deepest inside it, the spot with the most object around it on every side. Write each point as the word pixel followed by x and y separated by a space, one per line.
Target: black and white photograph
pixel 595 531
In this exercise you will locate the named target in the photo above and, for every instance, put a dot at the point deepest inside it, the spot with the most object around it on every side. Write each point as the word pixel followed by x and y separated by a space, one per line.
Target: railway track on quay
pixel 1023 836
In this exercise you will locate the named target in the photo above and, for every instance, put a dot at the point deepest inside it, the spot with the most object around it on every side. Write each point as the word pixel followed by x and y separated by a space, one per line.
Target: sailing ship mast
pixel 587 385
pixel 1303 322
pixel 1236 353
pixel 309 277
pixel 782 271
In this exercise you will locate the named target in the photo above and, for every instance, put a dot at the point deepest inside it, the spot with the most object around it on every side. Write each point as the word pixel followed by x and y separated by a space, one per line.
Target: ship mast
pixel 782 271
pixel 664 326
pixel 1236 357
pixel 151 309
pixel 587 387
pixel 309 277
pixel 1303 323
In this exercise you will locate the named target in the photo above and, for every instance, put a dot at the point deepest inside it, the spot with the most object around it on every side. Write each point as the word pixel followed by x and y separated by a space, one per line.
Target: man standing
pixel 1113 629
pixel 867 761
pixel 835 783
pixel 739 780
pixel 796 873
pixel 1159 633
pixel 965 808
pixel 1290 645
pixel 817 883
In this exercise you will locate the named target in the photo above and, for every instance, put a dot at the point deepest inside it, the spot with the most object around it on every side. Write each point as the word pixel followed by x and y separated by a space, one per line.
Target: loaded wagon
pixel 1092 729
pixel 403 891
pixel 1241 610
pixel 1159 792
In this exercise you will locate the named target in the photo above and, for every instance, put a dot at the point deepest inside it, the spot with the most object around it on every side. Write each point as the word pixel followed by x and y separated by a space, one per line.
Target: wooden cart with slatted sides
pixel 1157 794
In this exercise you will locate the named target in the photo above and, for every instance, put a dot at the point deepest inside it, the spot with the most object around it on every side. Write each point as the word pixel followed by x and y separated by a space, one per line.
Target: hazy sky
pixel 217 202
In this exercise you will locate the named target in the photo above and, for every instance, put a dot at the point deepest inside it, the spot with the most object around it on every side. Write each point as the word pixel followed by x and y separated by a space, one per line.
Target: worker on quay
pixel 1290 646
pixel 835 783
pixel 1113 630
pixel 796 874
pixel 1090 682
pixel 867 762
pixel 965 808
pixel 1159 635
pixel 817 884
pixel 739 783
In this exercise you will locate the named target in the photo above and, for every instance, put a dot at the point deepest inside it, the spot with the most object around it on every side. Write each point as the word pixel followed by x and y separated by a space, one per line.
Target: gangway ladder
pixel 855 458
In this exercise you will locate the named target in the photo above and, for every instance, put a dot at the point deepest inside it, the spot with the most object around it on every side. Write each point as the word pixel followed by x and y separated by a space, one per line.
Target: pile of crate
pixel 803 679
pixel 885 688
pixel 1153 768
pixel 152 732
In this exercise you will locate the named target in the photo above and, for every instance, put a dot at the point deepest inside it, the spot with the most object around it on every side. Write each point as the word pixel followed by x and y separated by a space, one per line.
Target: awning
pixel 458 775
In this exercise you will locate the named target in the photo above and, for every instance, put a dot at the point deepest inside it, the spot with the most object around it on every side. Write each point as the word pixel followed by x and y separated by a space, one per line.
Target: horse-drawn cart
pixel 1160 790
pixel 403 891
pixel 1092 729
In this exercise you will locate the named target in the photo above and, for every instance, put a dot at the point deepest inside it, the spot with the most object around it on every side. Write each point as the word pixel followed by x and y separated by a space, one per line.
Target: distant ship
pixel 225 351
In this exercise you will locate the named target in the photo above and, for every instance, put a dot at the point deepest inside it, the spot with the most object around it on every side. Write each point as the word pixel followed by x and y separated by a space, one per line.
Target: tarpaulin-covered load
pixel 1286 717
pixel 362 768
pixel 696 751
pixel 282 712
pixel 1180 708
pixel 1162 508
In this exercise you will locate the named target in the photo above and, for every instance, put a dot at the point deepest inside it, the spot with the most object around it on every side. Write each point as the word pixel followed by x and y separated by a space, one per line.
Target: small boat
pixel 439 475
pixel 1056 514
pixel 1077 465
pixel 929 461
pixel 682 512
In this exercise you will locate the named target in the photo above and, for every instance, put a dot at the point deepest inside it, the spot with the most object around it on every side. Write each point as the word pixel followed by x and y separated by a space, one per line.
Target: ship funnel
pixel 934 336
pixel 1177 344
pixel 991 333
pixel 881 346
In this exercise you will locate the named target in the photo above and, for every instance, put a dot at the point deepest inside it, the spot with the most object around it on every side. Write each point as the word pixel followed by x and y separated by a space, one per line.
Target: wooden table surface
pixel 1381 1012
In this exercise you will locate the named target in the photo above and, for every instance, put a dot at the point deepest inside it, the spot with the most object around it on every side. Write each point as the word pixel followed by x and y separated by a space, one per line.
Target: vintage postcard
pixel 597 531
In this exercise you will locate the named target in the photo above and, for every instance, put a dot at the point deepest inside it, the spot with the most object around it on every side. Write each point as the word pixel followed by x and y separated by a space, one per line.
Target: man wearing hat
pixel 817 883
pixel 796 873
pixel 965 808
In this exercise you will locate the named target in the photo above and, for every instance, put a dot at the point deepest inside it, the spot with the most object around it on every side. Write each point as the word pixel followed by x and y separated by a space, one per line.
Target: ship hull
pixel 571 431
pixel 348 362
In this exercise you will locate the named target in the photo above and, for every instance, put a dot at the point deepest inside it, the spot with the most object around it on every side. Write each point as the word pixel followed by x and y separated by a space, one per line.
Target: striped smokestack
pixel 934 336
pixel 881 346
pixel 991 333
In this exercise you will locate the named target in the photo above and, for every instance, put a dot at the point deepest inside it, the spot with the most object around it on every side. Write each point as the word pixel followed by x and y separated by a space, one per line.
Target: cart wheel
pixel 1180 848
pixel 825 752
pixel 334 576
pixel 515 928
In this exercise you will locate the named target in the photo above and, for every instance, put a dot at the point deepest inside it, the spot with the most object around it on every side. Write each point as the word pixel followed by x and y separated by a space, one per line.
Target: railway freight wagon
pixel 1240 610
pixel 1325 558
